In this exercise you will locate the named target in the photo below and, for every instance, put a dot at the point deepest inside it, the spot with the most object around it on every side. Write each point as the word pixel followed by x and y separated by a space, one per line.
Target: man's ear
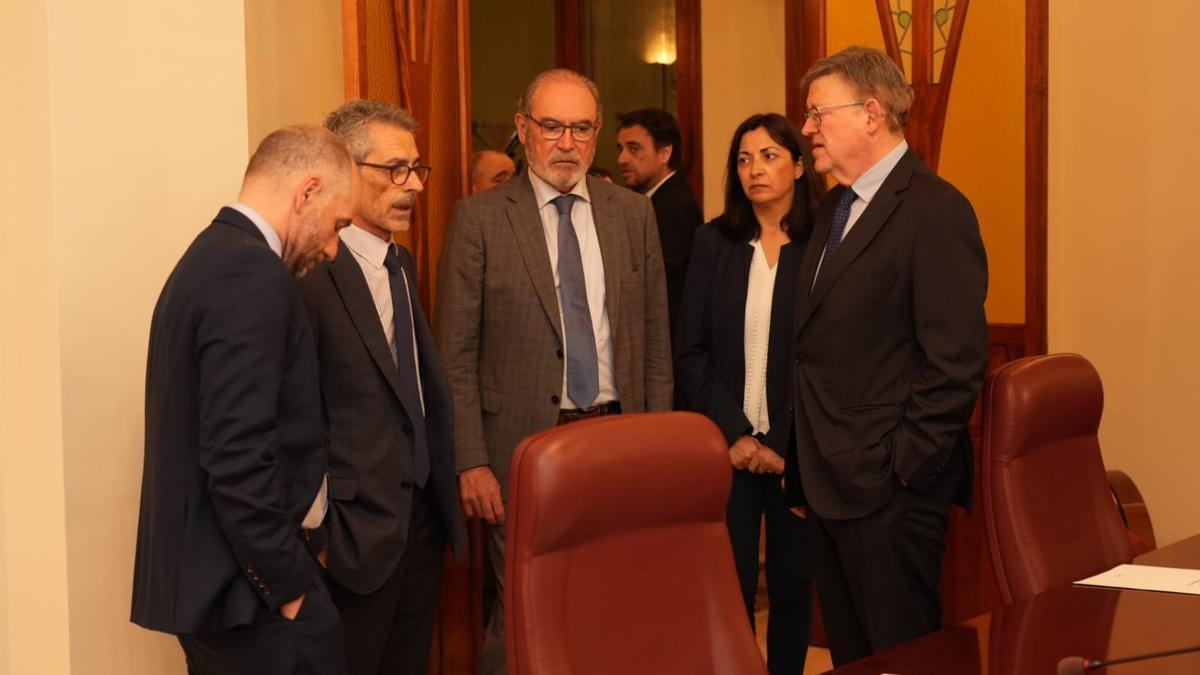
pixel 665 153
pixel 521 123
pixel 306 192
pixel 876 115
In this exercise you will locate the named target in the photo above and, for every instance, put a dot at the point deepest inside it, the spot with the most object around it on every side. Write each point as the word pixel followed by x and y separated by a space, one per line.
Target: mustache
pixel 406 202
pixel 572 156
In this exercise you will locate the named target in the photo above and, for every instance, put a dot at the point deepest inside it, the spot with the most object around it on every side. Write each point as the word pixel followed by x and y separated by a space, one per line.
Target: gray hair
pixel 352 119
pixel 874 75
pixel 525 104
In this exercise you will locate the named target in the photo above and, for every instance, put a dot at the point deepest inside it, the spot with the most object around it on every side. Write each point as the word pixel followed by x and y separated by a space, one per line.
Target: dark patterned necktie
pixel 406 364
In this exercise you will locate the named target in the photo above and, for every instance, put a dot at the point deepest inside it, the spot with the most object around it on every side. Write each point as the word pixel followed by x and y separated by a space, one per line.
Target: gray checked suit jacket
pixel 497 322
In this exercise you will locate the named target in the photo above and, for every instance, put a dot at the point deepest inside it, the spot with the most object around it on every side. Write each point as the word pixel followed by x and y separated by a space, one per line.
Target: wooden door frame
pixel 689 100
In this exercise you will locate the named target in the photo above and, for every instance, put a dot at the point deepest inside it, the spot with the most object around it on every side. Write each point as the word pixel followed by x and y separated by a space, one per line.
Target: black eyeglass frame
pixel 556 129
pixel 405 170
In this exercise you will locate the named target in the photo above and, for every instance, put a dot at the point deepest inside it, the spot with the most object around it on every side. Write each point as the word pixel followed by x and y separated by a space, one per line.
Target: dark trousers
pixel 390 631
pixel 788 566
pixel 311 644
pixel 878 575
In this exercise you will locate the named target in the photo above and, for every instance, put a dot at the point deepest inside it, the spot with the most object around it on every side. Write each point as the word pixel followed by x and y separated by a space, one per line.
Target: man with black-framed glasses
pixel 552 306
pixel 392 490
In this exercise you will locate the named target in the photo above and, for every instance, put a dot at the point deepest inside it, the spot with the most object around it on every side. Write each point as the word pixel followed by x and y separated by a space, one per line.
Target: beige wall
pixel 122 149
pixel 1124 159
pixel 33 541
pixel 293 63
pixel 742 59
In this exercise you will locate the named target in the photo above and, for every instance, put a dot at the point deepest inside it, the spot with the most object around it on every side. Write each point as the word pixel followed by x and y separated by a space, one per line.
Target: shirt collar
pixel 869 183
pixel 651 191
pixel 364 244
pixel 544 192
pixel 268 232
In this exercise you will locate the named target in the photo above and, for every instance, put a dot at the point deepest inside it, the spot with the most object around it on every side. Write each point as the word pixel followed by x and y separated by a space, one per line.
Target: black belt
pixel 568 415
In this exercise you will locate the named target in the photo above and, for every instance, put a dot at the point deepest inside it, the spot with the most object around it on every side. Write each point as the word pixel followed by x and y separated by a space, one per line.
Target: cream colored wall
pixel 34 629
pixel 293 63
pixel 1123 244
pixel 130 131
pixel 742 57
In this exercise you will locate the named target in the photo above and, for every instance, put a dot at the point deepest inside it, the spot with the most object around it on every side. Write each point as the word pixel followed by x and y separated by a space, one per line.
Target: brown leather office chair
pixel 618 559
pixel 1049 514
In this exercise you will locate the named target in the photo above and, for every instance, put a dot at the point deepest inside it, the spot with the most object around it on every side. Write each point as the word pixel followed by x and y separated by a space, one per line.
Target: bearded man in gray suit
pixel 552 305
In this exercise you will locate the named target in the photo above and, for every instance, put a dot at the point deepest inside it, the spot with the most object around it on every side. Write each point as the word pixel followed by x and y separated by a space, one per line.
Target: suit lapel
pixel 526 224
pixel 864 230
pixel 356 297
pixel 608 232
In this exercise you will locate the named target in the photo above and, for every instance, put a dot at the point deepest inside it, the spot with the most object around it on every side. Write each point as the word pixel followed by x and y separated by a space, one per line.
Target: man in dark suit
pixel 234 452
pixel 551 306
pixel 890 348
pixel 392 483
pixel 650 154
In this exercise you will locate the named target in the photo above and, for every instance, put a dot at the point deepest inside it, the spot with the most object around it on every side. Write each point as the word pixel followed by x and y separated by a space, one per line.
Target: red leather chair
pixel 1048 510
pixel 618 560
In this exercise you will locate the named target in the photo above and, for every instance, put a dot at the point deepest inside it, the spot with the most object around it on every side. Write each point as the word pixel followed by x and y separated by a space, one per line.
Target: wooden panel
pixel 414 54
pixel 1037 92
pixel 804 23
pixel 688 102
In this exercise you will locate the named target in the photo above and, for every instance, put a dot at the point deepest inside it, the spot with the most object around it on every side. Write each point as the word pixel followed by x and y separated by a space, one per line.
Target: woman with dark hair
pixel 732 364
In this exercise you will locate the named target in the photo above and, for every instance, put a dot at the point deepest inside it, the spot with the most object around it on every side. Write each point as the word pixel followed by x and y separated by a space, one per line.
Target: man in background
pixel 650 156
pixel 392 484
pixel 489 169
pixel 890 348
pixel 235 453
pixel 532 275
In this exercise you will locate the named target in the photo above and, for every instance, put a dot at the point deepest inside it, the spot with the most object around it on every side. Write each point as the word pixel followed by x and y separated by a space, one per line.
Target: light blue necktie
pixel 583 374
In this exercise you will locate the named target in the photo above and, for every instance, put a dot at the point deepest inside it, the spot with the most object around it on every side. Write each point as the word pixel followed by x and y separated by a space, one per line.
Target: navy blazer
pixel 234 447
pixel 890 346
pixel 710 367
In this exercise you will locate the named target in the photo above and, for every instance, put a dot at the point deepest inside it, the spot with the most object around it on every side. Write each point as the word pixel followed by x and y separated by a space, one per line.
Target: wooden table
pixel 1029 637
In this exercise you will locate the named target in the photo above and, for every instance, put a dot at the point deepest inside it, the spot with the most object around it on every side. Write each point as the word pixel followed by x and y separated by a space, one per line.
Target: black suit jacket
pixel 370 432
pixel 710 366
pixel 234 448
pixel 678 216
pixel 890 345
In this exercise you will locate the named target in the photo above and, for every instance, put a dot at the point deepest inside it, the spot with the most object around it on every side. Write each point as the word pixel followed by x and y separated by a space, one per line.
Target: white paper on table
pixel 1147 578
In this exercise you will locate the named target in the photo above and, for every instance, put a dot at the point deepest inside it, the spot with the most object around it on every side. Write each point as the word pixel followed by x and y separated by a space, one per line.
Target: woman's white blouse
pixel 759 292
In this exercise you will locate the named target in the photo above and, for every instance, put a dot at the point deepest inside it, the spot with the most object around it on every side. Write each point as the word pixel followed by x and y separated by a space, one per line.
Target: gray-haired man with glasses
pixel 532 275
pixel 889 353
pixel 393 493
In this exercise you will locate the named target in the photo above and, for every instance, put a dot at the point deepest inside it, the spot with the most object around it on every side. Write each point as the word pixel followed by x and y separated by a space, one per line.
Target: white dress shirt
pixel 593 276
pixel 760 292
pixel 369 251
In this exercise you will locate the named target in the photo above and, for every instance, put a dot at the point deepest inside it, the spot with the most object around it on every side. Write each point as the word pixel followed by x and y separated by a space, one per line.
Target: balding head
pixel 489 169
pixel 301 180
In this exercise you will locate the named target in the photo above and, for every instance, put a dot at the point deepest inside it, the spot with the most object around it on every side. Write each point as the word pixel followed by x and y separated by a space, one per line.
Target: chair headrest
pixel 617 474
pixel 1054 397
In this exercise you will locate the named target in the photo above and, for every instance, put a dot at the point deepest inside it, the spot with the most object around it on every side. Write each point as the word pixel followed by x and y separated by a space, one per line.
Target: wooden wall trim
pixel 354 48
pixel 805 44
pixel 567 26
pixel 1037 91
pixel 688 94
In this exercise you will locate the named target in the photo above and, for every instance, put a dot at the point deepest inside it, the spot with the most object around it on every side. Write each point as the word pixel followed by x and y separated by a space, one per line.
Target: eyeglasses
pixel 401 172
pixel 552 130
pixel 814 112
